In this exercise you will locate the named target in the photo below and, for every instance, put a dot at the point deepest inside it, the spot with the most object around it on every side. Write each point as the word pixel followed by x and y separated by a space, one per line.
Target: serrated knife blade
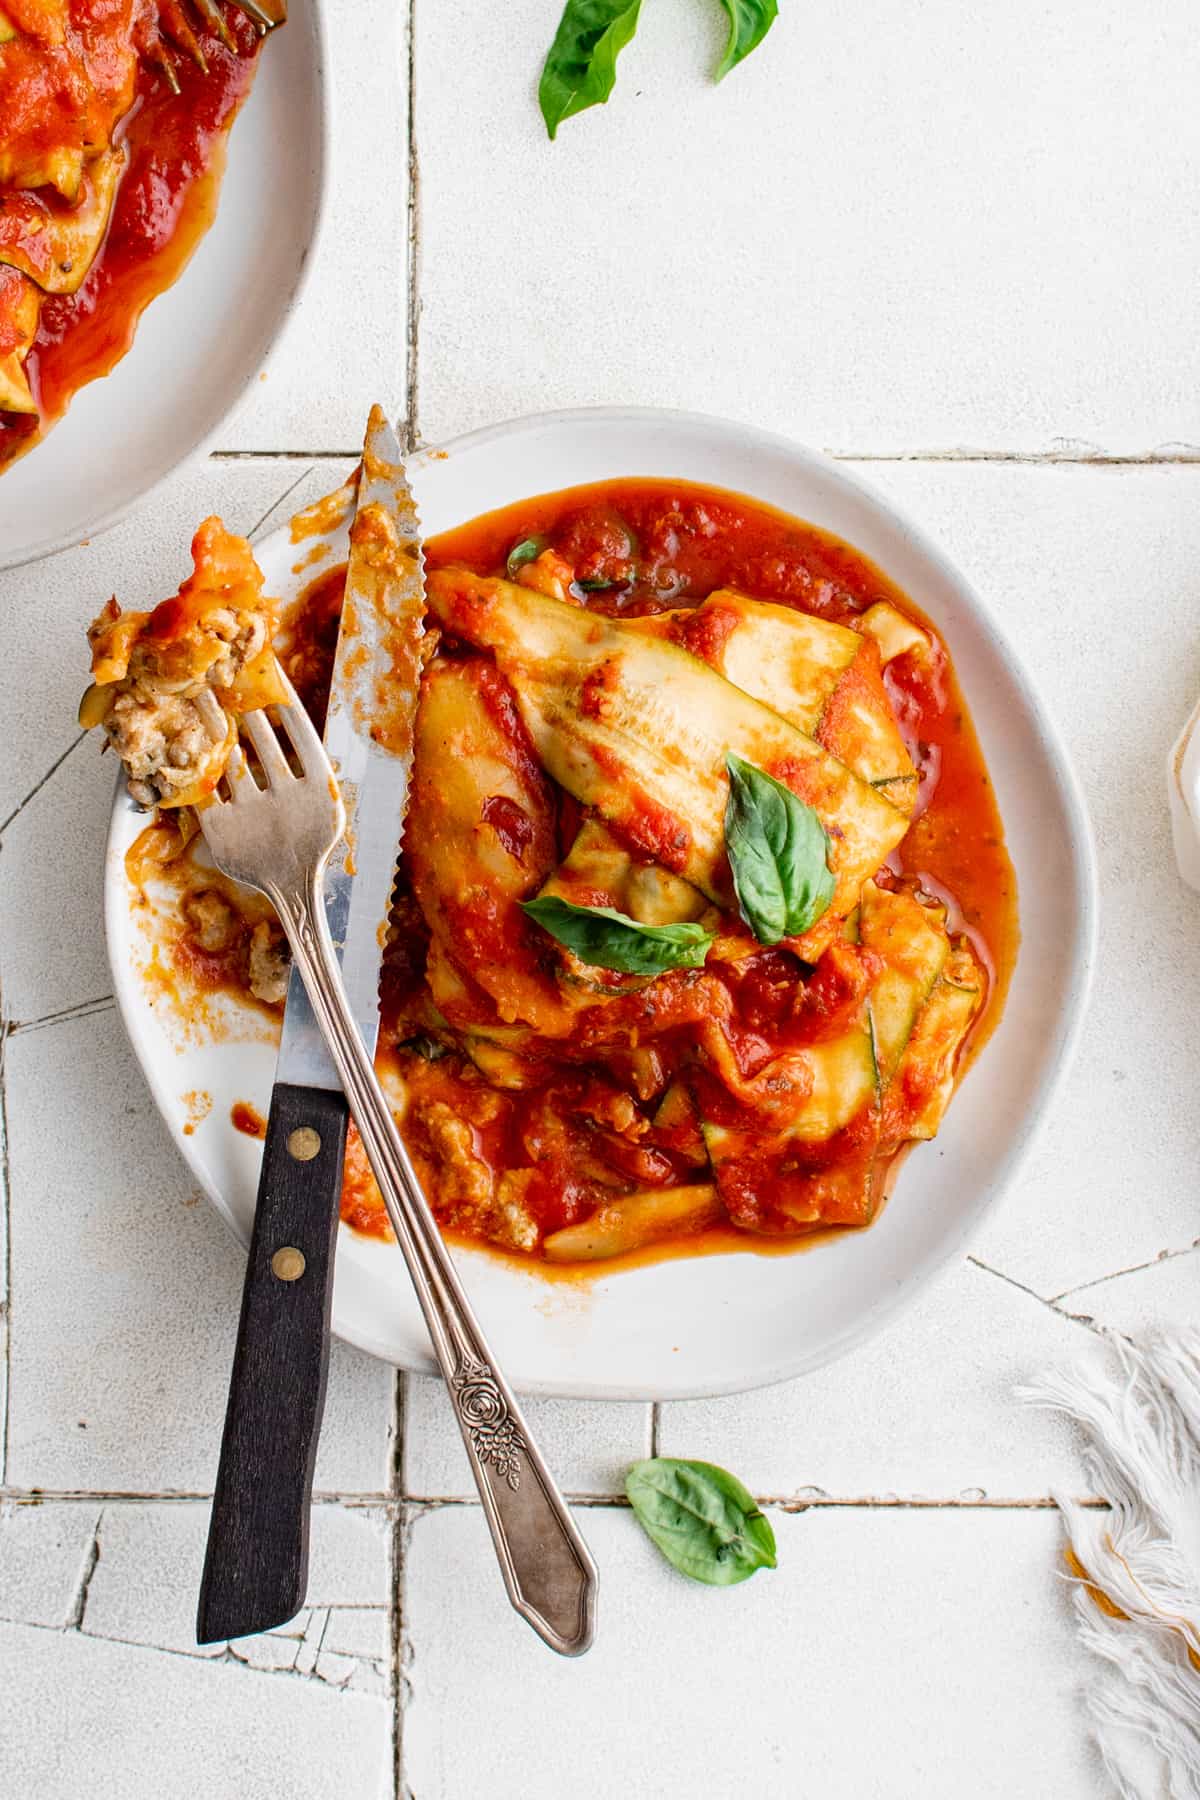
pixel 369 738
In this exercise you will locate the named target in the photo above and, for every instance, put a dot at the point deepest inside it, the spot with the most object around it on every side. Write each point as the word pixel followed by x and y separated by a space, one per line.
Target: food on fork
pixel 702 904
pixel 148 669
pixel 113 121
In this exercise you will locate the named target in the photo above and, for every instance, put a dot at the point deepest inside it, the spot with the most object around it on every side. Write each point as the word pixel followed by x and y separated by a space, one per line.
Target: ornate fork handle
pixel 547 1568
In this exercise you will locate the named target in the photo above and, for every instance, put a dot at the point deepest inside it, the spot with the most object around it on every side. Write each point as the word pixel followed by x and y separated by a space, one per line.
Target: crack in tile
pixel 38 785
pixel 90 1560
pixel 83 1009
pixel 1084 1319
pixel 1153 1262
pixel 254 530
pixel 345 1682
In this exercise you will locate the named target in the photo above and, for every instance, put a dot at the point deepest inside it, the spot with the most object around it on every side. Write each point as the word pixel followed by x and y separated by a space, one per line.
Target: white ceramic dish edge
pixel 50 545
pixel 1057 1047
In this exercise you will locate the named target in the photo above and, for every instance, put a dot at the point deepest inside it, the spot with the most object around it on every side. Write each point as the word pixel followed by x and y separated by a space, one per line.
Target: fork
pixel 277 838
pixel 175 24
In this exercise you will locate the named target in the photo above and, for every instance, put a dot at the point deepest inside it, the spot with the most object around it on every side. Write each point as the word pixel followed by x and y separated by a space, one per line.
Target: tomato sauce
pixel 165 203
pixel 560 1115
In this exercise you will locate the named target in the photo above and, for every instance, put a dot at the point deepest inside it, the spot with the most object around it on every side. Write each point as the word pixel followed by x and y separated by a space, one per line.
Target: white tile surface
pixel 47 1552
pixel 1095 575
pixel 588 1445
pixel 894 227
pixel 147 1574
pixel 44 610
pixel 925 1411
pixel 347 345
pixel 125 1291
pixel 855 1668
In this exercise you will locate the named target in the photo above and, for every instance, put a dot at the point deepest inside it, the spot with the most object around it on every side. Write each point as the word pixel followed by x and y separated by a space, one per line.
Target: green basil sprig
pixel 581 66
pixel 777 850
pixel 608 939
pixel 702 1519
pixel 749 23
pixel 524 552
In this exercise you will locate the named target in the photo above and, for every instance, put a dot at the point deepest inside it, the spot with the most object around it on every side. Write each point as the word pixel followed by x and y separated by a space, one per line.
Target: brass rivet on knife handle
pixel 304 1144
pixel 288 1264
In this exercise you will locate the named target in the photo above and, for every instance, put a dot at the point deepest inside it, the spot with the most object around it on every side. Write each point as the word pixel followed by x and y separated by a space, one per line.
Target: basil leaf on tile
pixel 702 1519
pixel 778 854
pixel 749 23
pixel 581 66
pixel 608 939
pixel 522 553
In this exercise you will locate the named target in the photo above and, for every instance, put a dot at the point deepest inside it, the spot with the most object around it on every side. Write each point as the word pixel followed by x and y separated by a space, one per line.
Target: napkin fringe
pixel 1135 1568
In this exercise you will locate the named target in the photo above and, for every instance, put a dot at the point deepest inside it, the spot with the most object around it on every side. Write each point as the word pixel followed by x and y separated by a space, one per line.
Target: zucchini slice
pixel 480 839
pixel 912 940
pixel 892 631
pixel 632 1220
pixel 600 871
pixel 638 729
pixel 925 1078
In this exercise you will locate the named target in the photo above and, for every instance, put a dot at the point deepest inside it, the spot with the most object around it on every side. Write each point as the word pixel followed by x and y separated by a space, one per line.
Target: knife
pixel 256 1565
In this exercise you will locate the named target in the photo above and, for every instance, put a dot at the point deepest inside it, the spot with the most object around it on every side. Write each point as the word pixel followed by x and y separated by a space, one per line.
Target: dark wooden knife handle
pixel 256 1565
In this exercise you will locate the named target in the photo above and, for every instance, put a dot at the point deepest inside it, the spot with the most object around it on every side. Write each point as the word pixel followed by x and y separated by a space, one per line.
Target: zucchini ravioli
pixel 703 897
pixel 703 902
pixel 113 121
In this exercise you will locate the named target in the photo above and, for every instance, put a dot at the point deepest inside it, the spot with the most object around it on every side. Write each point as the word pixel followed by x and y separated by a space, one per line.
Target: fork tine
pixel 174 22
pixel 270 753
pixel 212 715
pixel 266 14
pixel 212 13
pixel 301 734
pixel 237 774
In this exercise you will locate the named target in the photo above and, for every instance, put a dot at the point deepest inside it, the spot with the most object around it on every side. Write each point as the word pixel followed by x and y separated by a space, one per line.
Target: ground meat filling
pixel 165 746
pixel 149 668
pixel 270 964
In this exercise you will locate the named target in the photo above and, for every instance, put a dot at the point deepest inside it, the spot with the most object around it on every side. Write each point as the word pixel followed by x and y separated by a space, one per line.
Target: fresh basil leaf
pixel 778 854
pixel 702 1519
pixel 522 553
pixel 749 23
pixel 608 939
pixel 581 66
pixel 599 587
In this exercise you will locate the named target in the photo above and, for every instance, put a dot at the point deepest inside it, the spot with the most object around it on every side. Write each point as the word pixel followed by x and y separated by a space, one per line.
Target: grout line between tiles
pixel 1081 457
pixel 396 1569
pixel 37 787
pixel 413 308
pixel 5 1201
pixel 399 1504
pixel 285 455
pixel 15 1495
pixel 1067 456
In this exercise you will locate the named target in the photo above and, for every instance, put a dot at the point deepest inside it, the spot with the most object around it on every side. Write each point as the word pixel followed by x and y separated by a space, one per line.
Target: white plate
pixel 201 344
pixel 717 1323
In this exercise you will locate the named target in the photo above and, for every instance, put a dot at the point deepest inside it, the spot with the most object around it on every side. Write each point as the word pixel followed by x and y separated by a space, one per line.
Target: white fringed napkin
pixel 1136 1567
